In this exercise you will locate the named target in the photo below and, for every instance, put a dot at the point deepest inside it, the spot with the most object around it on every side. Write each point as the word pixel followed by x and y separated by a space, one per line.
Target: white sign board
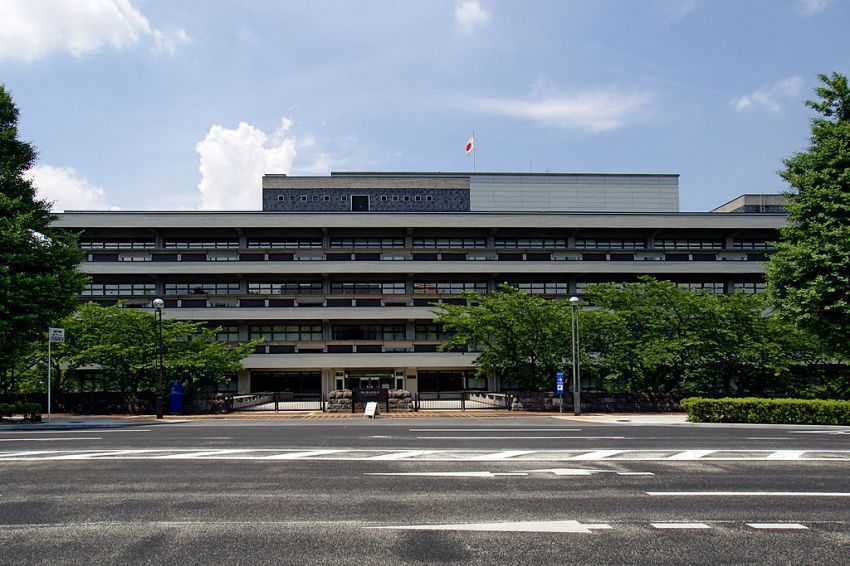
pixel 371 409
pixel 56 335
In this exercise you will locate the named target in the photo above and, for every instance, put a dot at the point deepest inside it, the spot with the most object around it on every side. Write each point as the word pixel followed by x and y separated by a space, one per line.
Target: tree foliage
pixel 644 337
pixel 653 336
pixel 809 275
pixel 522 337
pixel 121 345
pixel 39 281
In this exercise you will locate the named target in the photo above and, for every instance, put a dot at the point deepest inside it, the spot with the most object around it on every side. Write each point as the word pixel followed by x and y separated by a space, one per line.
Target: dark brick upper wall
pixel 380 200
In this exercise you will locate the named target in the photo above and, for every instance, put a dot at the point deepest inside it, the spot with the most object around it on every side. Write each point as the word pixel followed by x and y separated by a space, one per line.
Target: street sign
pixel 56 335
pixel 559 382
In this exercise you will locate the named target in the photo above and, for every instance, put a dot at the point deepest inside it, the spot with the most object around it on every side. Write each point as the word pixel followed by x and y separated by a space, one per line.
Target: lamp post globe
pixel 158 304
pixel 574 301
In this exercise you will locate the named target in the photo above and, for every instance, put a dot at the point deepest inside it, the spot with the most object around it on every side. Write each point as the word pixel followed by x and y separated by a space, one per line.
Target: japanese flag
pixel 470 144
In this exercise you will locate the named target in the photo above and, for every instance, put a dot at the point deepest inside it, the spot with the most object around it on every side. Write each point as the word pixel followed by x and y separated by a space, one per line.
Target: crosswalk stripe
pixel 500 455
pixel 786 455
pixel 203 453
pixel 663 526
pixel 779 526
pixel 403 455
pixel 302 455
pixel 597 455
pixel 691 454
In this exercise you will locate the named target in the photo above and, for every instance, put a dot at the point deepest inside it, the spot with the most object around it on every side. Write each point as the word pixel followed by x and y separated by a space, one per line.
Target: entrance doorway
pixel 360 203
pixel 369 379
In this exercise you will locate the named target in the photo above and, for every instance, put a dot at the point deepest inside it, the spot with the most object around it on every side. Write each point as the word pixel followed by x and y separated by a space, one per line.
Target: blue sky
pixel 155 104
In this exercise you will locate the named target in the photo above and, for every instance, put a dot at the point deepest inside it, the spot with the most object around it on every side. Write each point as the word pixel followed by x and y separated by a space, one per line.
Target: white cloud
pixel 233 163
pixel 469 14
pixel 31 29
pixel 67 189
pixel 770 98
pixel 589 111
pixel 812 7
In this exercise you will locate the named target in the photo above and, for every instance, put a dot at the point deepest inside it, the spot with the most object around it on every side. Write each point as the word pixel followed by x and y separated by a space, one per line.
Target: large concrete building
pixel 338 274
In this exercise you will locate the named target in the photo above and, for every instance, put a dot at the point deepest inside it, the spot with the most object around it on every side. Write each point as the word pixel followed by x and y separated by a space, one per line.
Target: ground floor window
pixel 458 380
pixel 302 382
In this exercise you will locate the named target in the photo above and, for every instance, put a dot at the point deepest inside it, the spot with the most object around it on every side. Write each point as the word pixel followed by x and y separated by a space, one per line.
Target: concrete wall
pixel 574 193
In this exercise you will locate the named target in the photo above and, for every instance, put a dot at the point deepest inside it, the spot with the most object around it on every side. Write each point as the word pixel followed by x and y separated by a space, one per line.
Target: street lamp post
pixel 158 304
pixel 574 302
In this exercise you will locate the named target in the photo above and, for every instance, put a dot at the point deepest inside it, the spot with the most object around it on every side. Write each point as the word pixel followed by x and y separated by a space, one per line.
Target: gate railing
pixel 462 400
pixel 279 401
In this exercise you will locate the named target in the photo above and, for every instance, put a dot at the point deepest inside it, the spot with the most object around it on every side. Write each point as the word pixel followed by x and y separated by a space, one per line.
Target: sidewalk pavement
pixel 629 418
pixel 68 421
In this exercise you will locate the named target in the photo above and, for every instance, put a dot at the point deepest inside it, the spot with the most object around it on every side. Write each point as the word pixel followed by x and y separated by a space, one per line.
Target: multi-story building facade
pixel 339 274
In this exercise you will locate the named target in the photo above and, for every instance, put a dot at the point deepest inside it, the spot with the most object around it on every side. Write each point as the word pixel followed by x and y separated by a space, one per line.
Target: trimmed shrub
pixel 767 411
pixel 30 411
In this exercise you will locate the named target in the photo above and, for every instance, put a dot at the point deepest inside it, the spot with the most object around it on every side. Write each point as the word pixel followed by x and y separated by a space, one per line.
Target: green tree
pixel 809 274
pixel 524 338
pixel 655 337
pixel 122 345
pixel 39 280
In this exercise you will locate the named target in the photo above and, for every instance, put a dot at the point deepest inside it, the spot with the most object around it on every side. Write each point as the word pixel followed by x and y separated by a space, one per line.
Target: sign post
pixel 53 335
pixel 559 388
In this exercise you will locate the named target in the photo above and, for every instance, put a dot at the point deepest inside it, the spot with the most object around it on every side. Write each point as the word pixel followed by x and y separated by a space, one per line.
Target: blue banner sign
pixel 559 382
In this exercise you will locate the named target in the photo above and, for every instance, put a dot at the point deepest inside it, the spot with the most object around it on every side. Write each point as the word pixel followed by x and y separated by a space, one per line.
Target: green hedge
pixel 767 411
pixel 31 411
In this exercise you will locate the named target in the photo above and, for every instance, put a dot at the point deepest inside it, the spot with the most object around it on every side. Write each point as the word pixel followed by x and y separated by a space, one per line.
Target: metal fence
pixel 278 401
pixel 462 400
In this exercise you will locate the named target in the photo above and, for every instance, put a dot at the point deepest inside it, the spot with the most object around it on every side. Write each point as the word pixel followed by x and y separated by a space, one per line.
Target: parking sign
pixel 559 382
pixel 56 335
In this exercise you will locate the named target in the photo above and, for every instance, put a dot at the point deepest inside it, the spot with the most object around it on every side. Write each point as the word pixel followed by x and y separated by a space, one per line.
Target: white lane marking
pixel 520 437
pixel 597 455
pixel 518 527
pixel 691 454
pixel 30 453
pixel 203 453
pixel 50 439
pixel 454 455
pixel 300 455
pixel 786 455
pixel 751 493
pixel 680 525
pixel 402 455
pixel 766 438
pixel 91 431
pixel 587 472
pixel 778 526
pixel 500 455
pixel 494 430
pixel 448 474
pixel 568 471
pixel 110 453
pixel 843 431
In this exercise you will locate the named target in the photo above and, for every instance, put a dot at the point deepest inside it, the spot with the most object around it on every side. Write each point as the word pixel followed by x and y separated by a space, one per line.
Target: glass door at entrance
pixel 369 380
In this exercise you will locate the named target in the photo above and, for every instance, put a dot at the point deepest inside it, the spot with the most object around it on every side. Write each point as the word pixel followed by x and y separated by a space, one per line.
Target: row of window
pixel 344 198
pixel 433 243
pixel 313 332
pixel 119 289
pixel 369 288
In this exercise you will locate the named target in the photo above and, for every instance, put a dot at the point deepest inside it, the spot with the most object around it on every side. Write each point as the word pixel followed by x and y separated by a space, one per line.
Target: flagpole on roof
pixel 473 151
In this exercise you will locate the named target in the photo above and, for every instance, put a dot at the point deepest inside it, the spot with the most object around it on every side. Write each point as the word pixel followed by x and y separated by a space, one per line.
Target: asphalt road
pixel 476 491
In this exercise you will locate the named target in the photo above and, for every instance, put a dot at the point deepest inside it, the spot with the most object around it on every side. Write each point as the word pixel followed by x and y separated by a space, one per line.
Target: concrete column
pixel 411 383
pixel 243 381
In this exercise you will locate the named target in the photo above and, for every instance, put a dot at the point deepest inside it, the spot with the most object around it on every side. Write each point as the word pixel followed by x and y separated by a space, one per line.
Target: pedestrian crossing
pixel 573 526
pixel 272 454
